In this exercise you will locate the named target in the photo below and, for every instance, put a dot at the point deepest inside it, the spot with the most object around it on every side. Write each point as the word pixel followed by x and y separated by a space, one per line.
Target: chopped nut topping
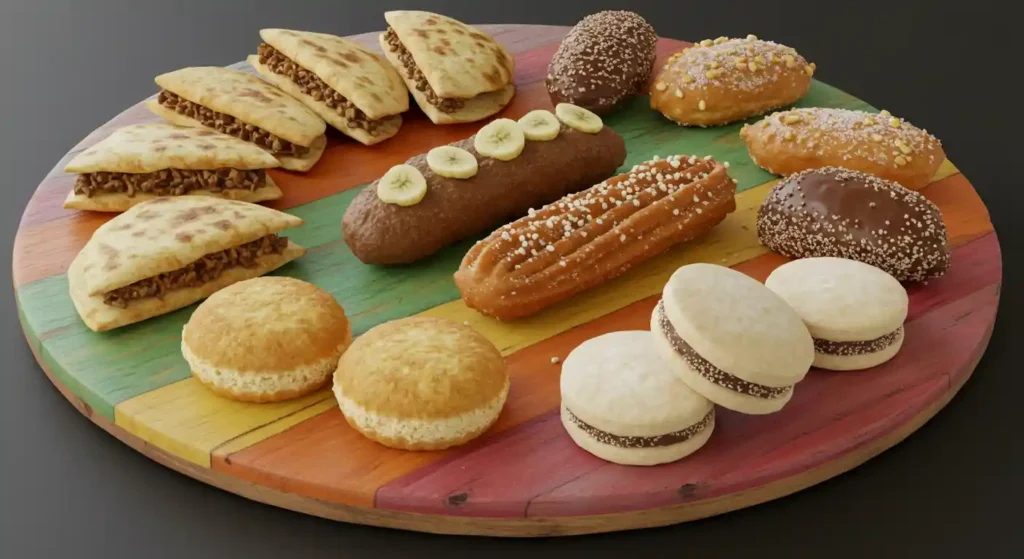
pixel 702 105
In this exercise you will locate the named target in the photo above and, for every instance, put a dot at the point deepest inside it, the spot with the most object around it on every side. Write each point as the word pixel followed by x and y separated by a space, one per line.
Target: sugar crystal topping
pixel 613 50
pixel 880 138
pixel 747 64
pixel 585 225
pixel 833 211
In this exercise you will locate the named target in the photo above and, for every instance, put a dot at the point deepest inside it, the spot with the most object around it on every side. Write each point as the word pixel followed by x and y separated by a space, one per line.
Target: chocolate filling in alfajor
pixel 621 441
pixel 857 347
pixel 710 372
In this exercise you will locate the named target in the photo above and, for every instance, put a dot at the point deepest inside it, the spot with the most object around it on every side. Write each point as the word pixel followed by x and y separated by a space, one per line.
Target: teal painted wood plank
pixel 110 367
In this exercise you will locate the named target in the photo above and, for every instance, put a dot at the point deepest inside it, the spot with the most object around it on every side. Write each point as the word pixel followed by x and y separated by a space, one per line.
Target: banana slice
pixel 502 139
pixel 403 185
pixel 540 126
pixel 452 162
pixel 579 118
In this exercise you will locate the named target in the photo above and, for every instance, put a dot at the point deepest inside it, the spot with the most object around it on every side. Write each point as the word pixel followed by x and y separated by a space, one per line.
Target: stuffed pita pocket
pixel 242 105
pixel 455 72
pixel 168 253
pixel 143 162
pixel 351 87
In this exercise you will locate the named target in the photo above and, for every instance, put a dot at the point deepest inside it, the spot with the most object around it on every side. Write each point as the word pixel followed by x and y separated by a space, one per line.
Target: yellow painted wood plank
pixel 189 421
pixel 271 429
pixel 733 241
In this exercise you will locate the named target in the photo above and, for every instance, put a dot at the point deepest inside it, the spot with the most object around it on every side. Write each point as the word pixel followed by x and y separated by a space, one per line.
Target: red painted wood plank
pixel 484 482
pixel 936 343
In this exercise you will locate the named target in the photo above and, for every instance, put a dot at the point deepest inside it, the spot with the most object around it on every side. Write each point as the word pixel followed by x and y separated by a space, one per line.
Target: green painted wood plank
pixel 107 368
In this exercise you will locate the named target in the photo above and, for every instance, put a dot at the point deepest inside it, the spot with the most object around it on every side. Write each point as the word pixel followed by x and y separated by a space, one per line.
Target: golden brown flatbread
pixel 163 235
pixel 146 148
pixel 459 61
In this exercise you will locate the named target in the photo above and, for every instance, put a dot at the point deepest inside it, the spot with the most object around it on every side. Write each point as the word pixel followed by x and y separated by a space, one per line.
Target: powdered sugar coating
pixel 736 64
pixel 880 138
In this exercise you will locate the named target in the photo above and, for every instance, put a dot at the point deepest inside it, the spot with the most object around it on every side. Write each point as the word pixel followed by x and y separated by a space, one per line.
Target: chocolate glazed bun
pixel 604 61
pixel 832 211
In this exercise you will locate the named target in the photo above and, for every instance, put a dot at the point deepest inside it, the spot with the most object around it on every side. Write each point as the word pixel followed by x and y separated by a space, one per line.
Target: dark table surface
pixel 953 488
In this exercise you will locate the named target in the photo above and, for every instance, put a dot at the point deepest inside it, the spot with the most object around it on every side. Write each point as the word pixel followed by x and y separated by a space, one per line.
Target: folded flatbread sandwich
pixel 168 253
pixel 455 72
pixel 147 161
pixel 242 105
pixel 351 87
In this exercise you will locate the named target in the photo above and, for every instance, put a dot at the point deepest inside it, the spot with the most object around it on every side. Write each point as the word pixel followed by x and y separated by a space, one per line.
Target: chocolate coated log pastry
pixel 595 235
pixel 837 212
pixel 384 226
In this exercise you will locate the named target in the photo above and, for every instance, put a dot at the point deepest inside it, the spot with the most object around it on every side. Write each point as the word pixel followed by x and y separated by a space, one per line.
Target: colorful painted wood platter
pixel 524 477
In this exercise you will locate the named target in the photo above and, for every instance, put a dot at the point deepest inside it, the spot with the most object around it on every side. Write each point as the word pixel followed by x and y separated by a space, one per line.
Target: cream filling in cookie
pixel 421 430
pixel 259 382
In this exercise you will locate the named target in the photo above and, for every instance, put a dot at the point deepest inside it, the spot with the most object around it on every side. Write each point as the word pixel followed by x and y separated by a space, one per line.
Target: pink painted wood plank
pixel 561 479
pixel 937 342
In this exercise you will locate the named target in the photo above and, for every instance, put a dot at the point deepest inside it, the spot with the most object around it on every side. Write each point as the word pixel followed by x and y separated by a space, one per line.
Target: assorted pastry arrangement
pixel 553 214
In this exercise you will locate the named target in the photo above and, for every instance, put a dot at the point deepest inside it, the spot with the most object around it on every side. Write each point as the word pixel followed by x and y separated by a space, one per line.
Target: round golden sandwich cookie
pixel 421 383
pixel 266 339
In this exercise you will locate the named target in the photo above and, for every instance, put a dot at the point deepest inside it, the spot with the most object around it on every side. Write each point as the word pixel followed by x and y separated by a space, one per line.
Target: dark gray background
pixel 68 488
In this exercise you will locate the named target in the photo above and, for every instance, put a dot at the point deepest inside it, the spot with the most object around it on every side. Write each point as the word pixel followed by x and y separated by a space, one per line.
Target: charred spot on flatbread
pixel 312 85
pixel 227 124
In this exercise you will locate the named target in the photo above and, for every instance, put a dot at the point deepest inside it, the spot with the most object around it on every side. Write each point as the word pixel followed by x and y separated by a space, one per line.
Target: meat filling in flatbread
pixel 230 125
pixel 169 182
pixel 204 270
pixel 415 74
pixel 312 85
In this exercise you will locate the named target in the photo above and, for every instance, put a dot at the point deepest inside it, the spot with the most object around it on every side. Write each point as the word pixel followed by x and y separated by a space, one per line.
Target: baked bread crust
pixel 788 142
pixel 721 81
pixel 590 237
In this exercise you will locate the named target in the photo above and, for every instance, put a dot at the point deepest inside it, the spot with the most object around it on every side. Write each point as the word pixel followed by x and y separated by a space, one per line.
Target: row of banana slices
pixel 502 139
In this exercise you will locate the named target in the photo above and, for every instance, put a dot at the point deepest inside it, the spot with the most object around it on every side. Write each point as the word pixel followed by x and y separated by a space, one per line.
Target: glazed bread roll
pixel 791 141
pixel 716 82
pixel 590 237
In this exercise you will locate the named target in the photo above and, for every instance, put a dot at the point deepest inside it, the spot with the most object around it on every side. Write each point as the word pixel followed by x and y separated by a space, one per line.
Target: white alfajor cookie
pixel 854 311
pixel 731 339
pixel 621 402
pixel 266 339
pixel 421 383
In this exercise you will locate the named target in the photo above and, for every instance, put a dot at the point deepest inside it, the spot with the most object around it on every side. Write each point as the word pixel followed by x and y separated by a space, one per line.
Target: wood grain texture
pixel 106 364
pixel 313 451
pixel 522 478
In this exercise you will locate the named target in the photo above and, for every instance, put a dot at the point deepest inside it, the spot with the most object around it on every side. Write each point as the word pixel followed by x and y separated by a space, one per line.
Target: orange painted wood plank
pixel 550 476
pixel 352 169
pixel 314 449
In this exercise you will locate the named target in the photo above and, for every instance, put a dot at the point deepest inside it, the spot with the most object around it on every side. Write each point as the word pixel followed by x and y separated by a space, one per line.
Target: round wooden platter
pixel 524 477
